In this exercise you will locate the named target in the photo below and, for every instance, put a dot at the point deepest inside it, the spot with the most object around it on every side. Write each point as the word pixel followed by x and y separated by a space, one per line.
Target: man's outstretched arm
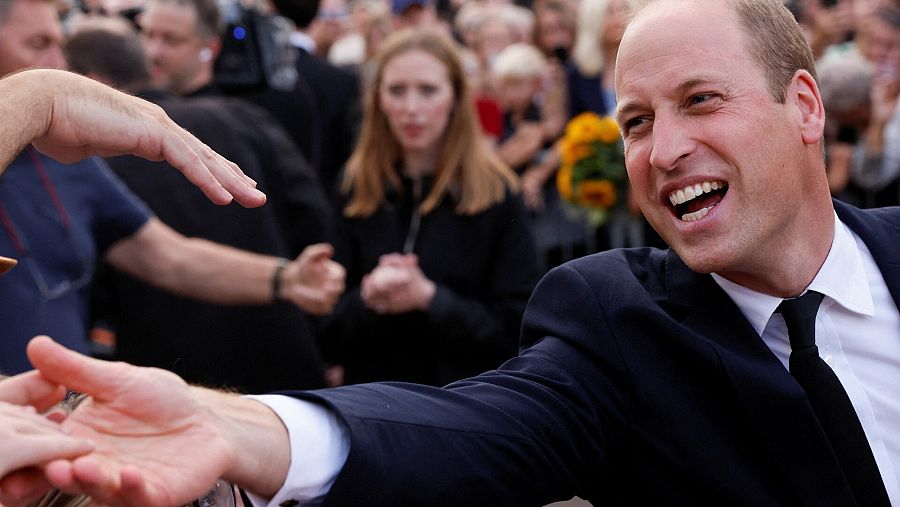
pixel 70 117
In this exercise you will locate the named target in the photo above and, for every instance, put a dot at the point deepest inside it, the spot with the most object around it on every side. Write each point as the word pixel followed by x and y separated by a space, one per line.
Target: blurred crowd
pixel 417 137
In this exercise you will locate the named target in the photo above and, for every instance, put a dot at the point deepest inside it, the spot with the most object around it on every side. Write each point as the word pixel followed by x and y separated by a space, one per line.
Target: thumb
pixel 78 372
pixel 316 253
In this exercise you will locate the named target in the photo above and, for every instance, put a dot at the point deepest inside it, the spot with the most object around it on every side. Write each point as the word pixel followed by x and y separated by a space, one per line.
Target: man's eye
pixel 634 123
pixel 39 43
pixel 700 98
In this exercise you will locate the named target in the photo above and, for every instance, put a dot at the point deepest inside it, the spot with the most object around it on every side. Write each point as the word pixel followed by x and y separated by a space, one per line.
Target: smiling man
pixel 646 377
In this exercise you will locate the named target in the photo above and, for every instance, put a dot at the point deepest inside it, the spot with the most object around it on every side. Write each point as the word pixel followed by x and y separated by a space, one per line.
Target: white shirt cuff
pixel 319 447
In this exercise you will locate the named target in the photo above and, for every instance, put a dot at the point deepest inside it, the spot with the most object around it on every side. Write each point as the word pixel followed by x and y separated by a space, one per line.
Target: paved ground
pixel 575 502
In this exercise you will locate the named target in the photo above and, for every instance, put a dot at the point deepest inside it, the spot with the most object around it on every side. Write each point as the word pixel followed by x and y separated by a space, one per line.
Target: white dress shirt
pixel 858 335
pixel 857 332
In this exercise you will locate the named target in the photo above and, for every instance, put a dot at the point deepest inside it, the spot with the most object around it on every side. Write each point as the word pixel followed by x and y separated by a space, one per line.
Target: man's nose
pixel 153 47
pixel 672 142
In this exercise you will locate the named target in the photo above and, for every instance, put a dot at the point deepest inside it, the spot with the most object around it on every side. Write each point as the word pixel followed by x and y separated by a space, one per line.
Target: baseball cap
pixel 398 6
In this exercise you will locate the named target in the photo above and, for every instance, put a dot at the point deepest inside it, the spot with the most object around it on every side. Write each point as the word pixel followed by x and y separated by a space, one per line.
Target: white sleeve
pixel 319 448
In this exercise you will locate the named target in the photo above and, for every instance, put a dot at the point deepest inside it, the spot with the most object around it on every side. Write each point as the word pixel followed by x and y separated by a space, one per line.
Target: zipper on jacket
pixel 415 218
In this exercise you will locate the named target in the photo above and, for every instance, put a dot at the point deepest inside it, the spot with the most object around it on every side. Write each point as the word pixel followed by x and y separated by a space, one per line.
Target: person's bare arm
pixel 215 273
pixel 70 117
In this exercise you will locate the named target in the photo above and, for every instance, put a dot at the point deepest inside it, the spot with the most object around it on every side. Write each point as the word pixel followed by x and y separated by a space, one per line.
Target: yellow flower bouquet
pixel 592 174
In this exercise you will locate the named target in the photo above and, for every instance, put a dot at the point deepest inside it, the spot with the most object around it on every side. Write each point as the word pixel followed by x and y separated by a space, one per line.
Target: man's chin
pixel 701 258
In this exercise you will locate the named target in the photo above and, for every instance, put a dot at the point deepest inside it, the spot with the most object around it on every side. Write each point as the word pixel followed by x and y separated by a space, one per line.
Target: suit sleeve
pixel 539 429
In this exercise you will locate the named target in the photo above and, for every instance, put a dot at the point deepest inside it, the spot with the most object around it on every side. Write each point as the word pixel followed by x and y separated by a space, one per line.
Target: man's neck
pixel 788 270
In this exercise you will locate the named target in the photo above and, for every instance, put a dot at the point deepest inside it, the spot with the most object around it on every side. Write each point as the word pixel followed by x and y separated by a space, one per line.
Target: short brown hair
pixel 209 21
pixel 774 39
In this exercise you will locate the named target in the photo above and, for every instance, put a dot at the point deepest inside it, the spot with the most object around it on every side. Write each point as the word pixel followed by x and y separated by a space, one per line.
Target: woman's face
pixel 416 96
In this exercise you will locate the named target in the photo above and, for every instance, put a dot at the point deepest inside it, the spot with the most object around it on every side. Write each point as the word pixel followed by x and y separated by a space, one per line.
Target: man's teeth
pixel 692 191
pixel 697 215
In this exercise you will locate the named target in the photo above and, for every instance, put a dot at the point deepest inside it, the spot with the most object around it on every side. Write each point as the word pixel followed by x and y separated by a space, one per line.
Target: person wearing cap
pixel 413 13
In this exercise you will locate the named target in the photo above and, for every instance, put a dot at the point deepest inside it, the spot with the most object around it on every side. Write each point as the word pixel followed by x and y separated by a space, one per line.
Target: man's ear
pixel 803 92
pixel 214 44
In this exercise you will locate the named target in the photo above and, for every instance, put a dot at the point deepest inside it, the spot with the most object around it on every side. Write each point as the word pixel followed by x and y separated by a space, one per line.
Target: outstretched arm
pixel 158 441
pixel 70 117
pixel 215 273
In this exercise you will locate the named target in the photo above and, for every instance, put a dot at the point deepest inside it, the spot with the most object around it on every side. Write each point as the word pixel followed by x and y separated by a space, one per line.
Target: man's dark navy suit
pixel 641 384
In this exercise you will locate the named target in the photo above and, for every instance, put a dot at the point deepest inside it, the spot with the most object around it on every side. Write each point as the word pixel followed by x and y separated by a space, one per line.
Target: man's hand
pixel 157 440
pixel 155 444
pixel 313 281
pixel 80 117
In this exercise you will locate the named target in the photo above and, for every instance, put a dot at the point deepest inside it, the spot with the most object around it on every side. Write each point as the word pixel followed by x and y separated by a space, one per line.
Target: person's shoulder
pixel 888 215
pixel 637 260
pixel 639 267
pixel 859 217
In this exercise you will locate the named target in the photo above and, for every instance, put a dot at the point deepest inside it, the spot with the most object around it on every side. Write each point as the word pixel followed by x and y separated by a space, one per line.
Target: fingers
pixel 218 178
pixel 39 448
pixel 118 486
pixel 31 389
pixel 315 301
pixel 23 487
pixel 316 253
pixel 100 379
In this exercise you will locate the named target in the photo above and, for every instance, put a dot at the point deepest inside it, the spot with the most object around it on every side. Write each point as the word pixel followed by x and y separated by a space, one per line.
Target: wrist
pixel 254 440
pixel 277 282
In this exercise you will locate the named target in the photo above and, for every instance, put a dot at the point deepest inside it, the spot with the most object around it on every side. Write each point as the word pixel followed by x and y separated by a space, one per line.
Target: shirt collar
pixel 841 278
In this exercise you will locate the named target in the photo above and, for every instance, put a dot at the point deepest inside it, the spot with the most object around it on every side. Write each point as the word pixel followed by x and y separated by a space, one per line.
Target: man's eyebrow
pixel 625 107
pixel 690 83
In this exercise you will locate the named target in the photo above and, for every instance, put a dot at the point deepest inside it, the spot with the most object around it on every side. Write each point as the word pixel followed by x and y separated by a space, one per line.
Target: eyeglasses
pixel 49 291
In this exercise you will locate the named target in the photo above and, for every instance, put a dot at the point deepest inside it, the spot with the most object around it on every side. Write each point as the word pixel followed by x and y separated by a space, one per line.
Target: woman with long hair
pixel 441 260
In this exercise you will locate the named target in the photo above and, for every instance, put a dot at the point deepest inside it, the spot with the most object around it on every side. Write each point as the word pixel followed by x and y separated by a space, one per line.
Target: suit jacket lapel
pixel 773 399
pixel 881 236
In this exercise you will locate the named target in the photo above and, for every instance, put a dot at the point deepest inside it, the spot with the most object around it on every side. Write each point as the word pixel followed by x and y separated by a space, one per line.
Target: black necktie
pixel 830 402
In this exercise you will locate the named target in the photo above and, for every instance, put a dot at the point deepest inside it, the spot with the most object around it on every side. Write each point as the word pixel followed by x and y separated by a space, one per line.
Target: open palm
pixel 155 442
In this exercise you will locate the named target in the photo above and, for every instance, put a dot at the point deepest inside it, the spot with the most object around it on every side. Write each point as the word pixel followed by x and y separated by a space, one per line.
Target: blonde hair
pixel 518 60
pixel 587 54
pixel 467 169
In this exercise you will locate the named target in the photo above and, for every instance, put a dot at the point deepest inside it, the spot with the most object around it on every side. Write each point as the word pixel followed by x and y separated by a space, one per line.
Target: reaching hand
pixel 313 281
pixel 87 118
pixel 27 439
pixel 155 442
